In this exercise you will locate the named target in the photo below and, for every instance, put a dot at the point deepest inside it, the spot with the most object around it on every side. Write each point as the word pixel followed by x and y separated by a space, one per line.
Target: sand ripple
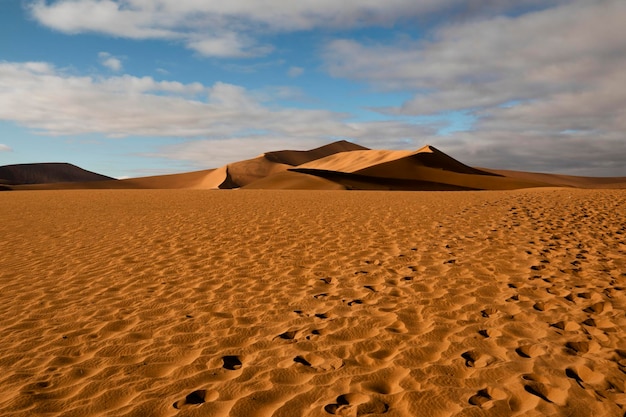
pixel 288 303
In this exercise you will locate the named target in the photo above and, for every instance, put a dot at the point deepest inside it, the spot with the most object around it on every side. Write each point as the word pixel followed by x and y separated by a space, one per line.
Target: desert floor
pixel 313 303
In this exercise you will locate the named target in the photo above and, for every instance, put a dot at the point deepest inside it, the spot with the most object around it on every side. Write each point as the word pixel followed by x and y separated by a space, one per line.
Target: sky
pixel 131 88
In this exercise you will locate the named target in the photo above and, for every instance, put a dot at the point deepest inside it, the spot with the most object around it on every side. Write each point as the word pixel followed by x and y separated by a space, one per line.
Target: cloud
pixel 42 97
pixel 5 148
pixel 490 62
pixel 234 28
pixel 109 61
pixel 220 151
pixel 548 80
pixel 294 72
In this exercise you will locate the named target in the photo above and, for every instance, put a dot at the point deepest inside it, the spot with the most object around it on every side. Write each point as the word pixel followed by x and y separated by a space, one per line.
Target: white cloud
pixel 5 148
pixel 44 98
pixel 109 61
pixel 220 151
pixel 547 80
pixel 232 28
pixel 217 124
pixel 490 62
pixel 294 72
pixel 223 123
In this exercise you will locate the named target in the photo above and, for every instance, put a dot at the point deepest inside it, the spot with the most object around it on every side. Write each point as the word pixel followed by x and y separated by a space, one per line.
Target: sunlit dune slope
pixel 336 166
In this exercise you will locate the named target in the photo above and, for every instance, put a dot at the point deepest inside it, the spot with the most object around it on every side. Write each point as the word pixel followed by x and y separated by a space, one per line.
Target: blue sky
pixel 133 87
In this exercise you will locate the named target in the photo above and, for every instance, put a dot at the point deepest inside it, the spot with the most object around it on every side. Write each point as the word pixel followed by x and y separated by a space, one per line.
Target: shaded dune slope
pixel 251 170
pixel 564 180
pixel 187 180
pixel 337 166
pixel 424 169
pixel 295 158
pixel 246 172
pixel 43 173
pixel 289 180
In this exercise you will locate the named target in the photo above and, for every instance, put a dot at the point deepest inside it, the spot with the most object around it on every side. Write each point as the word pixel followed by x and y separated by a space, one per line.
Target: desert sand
pixel 339 165
pixel 313 303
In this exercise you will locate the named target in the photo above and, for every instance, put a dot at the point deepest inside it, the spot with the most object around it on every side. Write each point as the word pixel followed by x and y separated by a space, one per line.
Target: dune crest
pixel 336 166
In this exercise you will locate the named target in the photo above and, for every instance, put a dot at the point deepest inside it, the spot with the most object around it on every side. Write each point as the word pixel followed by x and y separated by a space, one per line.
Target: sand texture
pixel 254 303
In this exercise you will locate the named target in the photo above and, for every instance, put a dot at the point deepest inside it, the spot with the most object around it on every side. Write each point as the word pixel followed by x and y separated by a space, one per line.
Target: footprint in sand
pixel 319 363
pixel 578 347
pixel 595 308
pixel 347 404
pixel 539 306
pixel 488 312
pixel 540 387
pixel 484 333
pixel 301 360
pixel 289 335
pixel 480 398
pixel 474 359
pixel 584 374
pixel 374 288
pixel 197 398
pixel 231 362
pixel 589 322
pixel 529 351
pixel 568 326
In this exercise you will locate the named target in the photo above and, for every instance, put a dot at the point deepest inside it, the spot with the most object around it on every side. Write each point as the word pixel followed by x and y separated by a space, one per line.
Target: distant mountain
pixel 46 173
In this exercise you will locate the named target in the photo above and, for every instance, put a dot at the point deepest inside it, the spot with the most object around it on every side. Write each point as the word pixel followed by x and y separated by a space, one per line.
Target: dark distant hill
pixel 46 173
pixel 337 166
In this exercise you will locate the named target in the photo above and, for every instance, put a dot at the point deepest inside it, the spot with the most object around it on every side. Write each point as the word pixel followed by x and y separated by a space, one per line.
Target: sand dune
pixel 289 180
pixel 564 180
pixel 424 169
pixel 190 180
pixel 344 165
pixel 295 158
pixel 247 172
pixel 251 170
pixel 359 161
pixel 260 303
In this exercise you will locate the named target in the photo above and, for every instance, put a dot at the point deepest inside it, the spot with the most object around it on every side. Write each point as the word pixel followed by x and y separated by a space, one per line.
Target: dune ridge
pixel 262 303
pixel 343 165
pixel 295 158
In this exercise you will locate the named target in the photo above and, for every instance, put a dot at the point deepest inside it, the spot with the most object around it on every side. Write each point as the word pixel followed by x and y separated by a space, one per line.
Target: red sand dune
pixel 339 165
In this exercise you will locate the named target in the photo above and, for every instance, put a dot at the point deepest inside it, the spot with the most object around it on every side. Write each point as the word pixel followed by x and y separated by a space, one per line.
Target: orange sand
pixel 313 303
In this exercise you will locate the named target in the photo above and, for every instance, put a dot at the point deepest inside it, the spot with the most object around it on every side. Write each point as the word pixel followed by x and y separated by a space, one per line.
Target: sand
pixel 313 303
pixel 337 166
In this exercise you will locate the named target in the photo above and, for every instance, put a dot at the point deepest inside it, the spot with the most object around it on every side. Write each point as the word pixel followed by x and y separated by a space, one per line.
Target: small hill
pixel 46 173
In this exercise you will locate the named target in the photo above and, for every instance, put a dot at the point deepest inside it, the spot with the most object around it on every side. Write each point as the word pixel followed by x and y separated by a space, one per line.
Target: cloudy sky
pixel 140 87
